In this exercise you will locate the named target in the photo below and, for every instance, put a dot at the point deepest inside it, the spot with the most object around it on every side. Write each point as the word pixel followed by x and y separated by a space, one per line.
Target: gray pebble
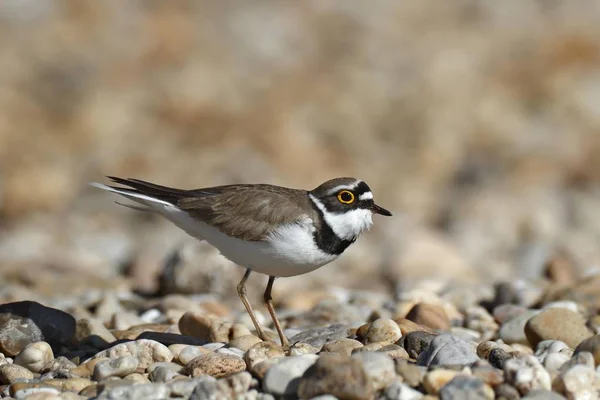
pixel 283 378
pixel 319 336
pixel 465 388
pixel 448 350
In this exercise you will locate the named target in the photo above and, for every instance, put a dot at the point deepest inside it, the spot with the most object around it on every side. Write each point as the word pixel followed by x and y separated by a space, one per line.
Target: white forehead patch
pixel 366 196
pixel 342 187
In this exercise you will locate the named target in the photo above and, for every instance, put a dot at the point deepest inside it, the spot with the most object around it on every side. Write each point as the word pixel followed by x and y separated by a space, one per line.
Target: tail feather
pixel 132 194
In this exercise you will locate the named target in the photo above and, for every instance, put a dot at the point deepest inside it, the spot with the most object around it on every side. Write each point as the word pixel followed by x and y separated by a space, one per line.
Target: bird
pixel 272 230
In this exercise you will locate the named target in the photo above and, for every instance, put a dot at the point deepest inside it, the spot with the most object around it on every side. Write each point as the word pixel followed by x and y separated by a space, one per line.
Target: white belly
pixel 289 251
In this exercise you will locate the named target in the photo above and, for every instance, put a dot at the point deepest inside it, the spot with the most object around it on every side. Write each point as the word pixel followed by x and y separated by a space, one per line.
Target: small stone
pixel 9 373
pixel 560 270
pixel 578 382
pixel 298 348
pixel 146 352
pixel 526 374
pixel 411 373
pixel 394 351
pixel 488 374
pixel 58 364
pixel 206 388
pixel 435 379
pixel 591 345
pixel 379 367
pixel 93 332
pixel 244 342
pixel 557 324
pixel 416 342
pixel 119 367
pixel 34 356
pixel 170 338
pixel 466 388
pixel 215 365
pixel 236 385
pixel 513 330
pixel 69 385
pixel 581 358
pixel 505 312
pixel 262 351
pixel 283 378
pixel 260 370
pixel 448 350
pixel 342 346
pixel 145 391
pixel 231 351
pixel 188 353
pixel 432 316
pixel 543 394
pixel 162 374
pixel 200 326
pixel 340 376
pixel 317 337
pixel 25 322
pixel 401 391
pixel 383 330
pixel 34 391
pixel 137 378
pixel 407 326
pixel 499 356
pixel 554 361
pixel 505 391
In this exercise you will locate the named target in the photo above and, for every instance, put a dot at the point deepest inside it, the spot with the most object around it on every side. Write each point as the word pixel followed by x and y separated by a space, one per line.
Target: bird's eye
pixel 346 197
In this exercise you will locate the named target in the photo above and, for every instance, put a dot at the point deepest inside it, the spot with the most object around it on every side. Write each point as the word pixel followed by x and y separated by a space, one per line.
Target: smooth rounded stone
pixel 480 320
pixel 146 351
pixel 466 388
pixel 137 378
pixel 200 326
pixel 407 326
pixel 283 378
pixel 162 374
pixel 591 345
pixel 505 391
pixel 429 315
pixel 232 352
pixel 554 361
pixel 383 330
pixel 260 370
pixel 262 351
pixel 557 324
pixel 526 374
pixel 411 373
pixel 342 346
pixel 170 338
pixel 92 331
pixel 401 391
pixel 488 374
pixel 135 332
pixel 25 322
pixel 183 387
pixel 543 394
pixel 86 369
pixel 188 353
pixel 244 342
pixel 297 349
pixel 10 373
pixel 317 337
pixel 236 385
pixel 379 367
pixel 505 312
pixel 578 382
pixel 416 342
pixel 168 365
pixel 206 388
pixel 145 391
pixel 34 356
pixel 581 358
pixel 499 356
pixel 513 330
pixel 58 364
pixel 548 347
pixel 69 385
pixel 119 367
pixel 38 392
pixel 485 348
pixel 394 351
pixel 213 346
pixel 468 335
pixel 435 379
pixel 340 376
pixel 215 365
pixel 447 350
pixel 521 349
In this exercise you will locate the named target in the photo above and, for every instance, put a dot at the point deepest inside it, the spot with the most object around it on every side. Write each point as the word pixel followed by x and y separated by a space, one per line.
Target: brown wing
pixel 248 212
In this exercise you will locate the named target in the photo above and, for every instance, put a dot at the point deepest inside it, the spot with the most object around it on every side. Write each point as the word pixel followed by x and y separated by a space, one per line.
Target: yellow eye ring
pixel 345 197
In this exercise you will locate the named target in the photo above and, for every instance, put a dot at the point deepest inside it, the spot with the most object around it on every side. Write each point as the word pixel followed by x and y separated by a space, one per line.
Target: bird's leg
pixel 269 304
pixel 241 289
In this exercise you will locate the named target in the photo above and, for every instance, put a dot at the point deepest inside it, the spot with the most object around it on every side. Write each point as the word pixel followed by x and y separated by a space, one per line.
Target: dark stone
pixel 447 349
pixel 168 339
pixel 416 342
pixel 464 388
pixel 25 322
pixel 498 357
pixel 506 392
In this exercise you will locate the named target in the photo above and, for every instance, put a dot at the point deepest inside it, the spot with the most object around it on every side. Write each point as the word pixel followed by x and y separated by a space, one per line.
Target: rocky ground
pixel 522 339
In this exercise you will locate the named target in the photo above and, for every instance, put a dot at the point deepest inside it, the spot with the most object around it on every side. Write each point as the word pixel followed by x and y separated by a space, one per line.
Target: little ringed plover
pixel 272 230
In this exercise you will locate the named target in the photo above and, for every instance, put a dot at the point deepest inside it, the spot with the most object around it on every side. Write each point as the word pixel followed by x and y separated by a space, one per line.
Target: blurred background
pixel 476 122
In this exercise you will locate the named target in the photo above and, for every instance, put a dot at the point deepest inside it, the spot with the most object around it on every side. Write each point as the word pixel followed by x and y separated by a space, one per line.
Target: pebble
pixel 434 380
pixel 416 342
pixel 261 352
pixel 578 382
pixel 299 348
pixel 341 376
pixel 499 356
pixel 383 330
pixel 407 326
pixel 198 325
pixel 543 394
pixel 447 350
pixel 215 365
pixel 170 338
pixel 466 387
pixel 236 385
pixel 557 324
pixel 401 391
pixel 504 391
pixel 244 342
pixel 342 346
pixel 379 367
pixel 592 345
pixel 162 374
pixel 35 356
pixel 526 374
pixel 188 353
pixel 429 315
pixel 513 330
pixel 394 351
pixel 231 351
pixel 92 331
pixel 70 385
pixel 25 322
pixel 144 391
pixel 283 378
pixel 146 351
pixel 120 367
pixel 10 373
pixel 411 374
pixel 260 370
pixel 317 337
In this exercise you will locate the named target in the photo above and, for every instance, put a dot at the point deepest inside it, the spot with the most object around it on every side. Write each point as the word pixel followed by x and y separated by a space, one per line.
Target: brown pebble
pixel 430 315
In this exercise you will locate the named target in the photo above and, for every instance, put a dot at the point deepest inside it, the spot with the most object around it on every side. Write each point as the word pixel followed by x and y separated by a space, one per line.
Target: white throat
pixel 348 225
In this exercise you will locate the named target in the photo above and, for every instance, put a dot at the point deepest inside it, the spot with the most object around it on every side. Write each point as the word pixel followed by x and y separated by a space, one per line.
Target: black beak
pixel 380 210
